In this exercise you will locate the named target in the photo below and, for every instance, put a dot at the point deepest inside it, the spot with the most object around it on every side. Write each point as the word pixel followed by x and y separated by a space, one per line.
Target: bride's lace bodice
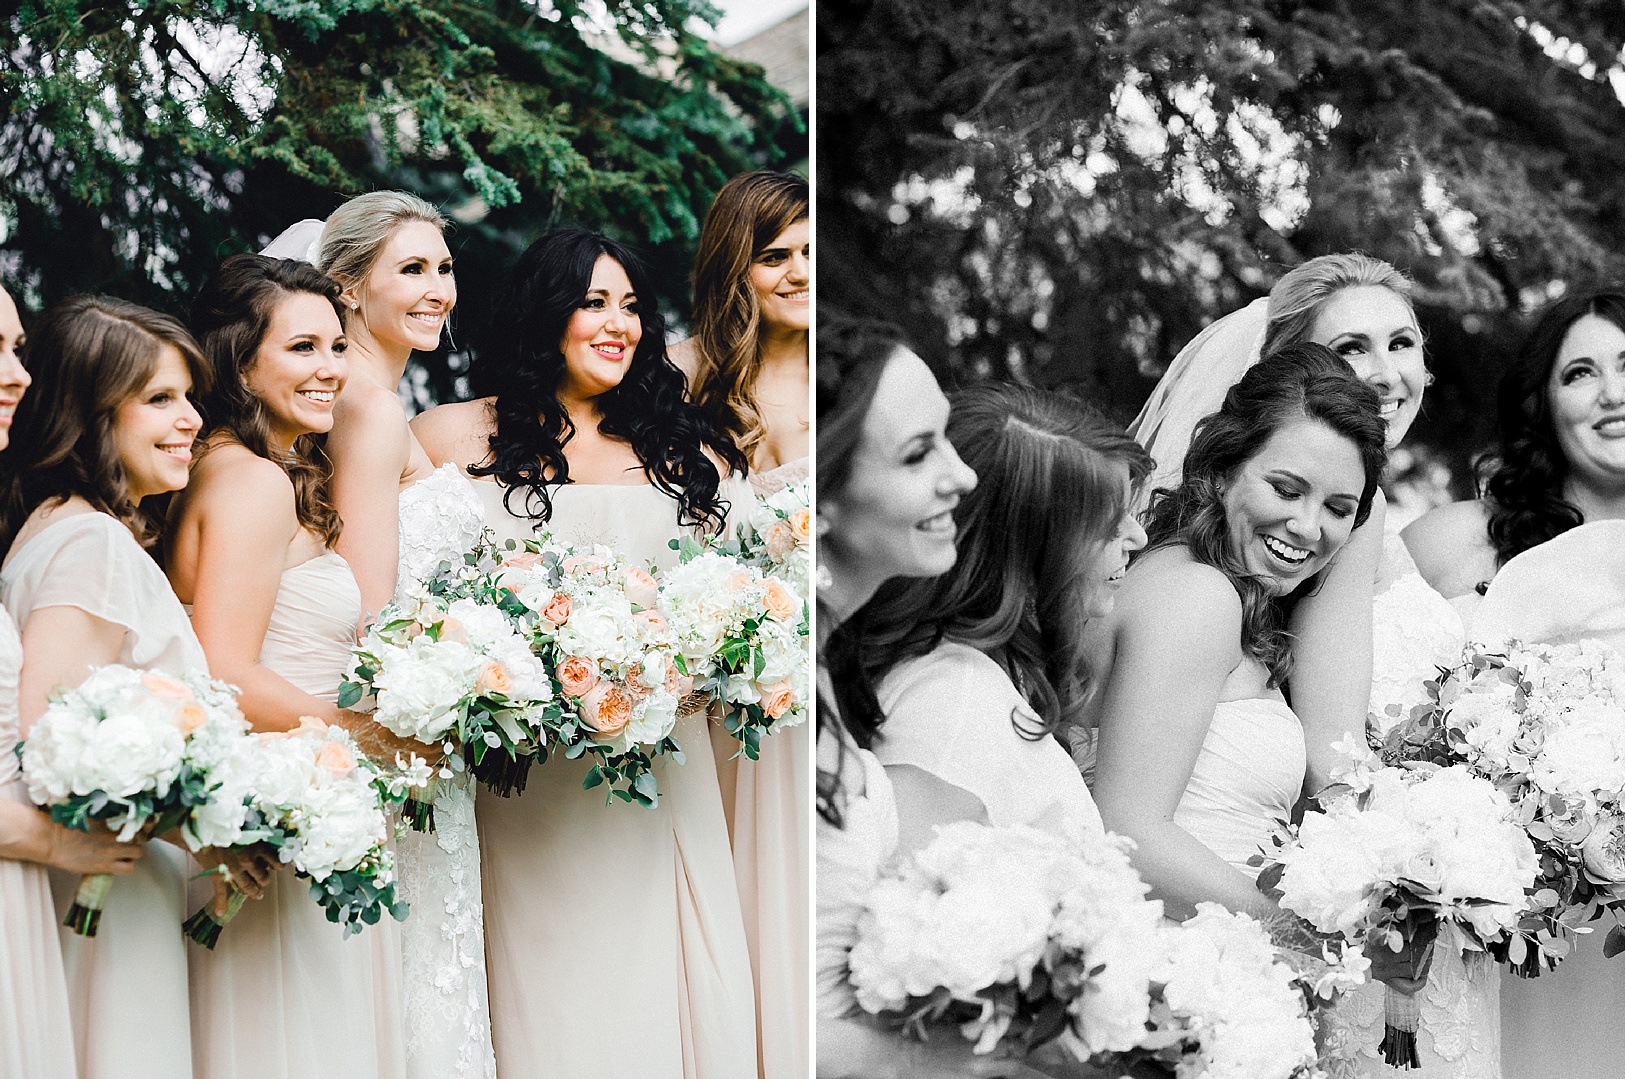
pixel 448 1015
pixel 1415 631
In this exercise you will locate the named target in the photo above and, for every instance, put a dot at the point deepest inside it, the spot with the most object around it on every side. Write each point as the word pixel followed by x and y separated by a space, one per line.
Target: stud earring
pixel 1429 380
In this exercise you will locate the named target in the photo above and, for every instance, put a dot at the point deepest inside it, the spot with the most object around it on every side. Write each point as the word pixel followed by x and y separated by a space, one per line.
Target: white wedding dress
pixel 448 1013
pixel 1415 632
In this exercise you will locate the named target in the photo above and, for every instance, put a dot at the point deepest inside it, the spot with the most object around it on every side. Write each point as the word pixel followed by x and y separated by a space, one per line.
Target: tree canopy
pixel 1067 193
pixel 144 140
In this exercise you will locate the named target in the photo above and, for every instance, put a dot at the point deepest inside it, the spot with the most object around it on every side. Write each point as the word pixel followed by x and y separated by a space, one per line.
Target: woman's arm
pixel 1177 634
pixel 1452 549
pixel 370 446
pixel 924 802
pixel 28 834
pixel 241 511
pixel 1331 658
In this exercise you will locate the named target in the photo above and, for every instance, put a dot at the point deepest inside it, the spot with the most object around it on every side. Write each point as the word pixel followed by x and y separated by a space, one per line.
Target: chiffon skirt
pixel 615 947
pixel 36 1035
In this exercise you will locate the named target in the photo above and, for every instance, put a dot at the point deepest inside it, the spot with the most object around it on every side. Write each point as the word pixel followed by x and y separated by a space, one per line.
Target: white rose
pixel 592 630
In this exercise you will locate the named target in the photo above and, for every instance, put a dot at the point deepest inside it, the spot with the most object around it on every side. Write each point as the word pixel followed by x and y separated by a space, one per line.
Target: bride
pixel 401 519
pixel 1199 755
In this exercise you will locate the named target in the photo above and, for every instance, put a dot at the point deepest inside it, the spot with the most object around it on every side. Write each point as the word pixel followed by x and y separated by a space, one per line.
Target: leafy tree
pixel 144 140
pixel 1066 193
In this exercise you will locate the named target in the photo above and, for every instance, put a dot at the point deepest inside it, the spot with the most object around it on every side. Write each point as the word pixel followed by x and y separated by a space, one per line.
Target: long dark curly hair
pixel 1049 492
pixel 230 318
pixel 1524 479
pixel 87 355
pixel 851 355
pixel 1305 381
pixel 521 365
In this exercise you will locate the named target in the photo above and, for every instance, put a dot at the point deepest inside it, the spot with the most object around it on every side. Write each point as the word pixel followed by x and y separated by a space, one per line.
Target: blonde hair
pixel 358 230
pixel 1296 299
pixel 747 215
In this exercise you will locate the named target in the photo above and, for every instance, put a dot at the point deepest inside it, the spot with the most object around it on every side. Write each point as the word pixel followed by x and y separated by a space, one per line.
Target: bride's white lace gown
pixel 1416 631
pixel 448 1013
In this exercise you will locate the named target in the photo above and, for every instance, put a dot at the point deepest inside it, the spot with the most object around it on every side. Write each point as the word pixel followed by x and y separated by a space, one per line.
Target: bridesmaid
pixel 250 548
pixel 747 367
pixel 587 433
pixel 106 426
pixel 1558 472
pixel 885 466
pixel 36 1036
pixel 1199 755
pixel 401 518
pixel 979 670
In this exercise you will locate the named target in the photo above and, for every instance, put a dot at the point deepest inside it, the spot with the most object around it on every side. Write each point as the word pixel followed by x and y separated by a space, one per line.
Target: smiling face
pixel 1108 561
pixel 781 274
pixel 1586 390
pixel 601 335
pixel 14 378
pixel 895 517
pixel 153 430
pixel 409 291
pixel 299 367
pixel 1375 331
pixel 1291 507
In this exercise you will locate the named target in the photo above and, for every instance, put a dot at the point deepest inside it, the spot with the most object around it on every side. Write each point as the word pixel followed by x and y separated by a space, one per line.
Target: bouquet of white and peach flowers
pixel 591 616
pixel 449 668
pixel 138 750
pixel 323 807
pixel 1546 725
pixel 779 539
pixel 1401 857
pixel 742 636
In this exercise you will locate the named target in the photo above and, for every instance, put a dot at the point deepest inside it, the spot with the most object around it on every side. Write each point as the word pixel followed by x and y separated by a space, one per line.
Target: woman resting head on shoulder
pixel 1560 460
pixel 1274 484
pixel 388 252
pixel 747 361
pixel 573 386
pixel 259 501
pixel 979 668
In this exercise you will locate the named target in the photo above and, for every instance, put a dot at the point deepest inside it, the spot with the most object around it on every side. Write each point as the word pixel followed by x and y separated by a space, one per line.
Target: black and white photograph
pixel 1220 521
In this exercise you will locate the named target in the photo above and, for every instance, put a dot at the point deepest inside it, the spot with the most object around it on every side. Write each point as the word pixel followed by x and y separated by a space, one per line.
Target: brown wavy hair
pixel 87 355
pixel 1306 381
pixel 1049 492
pixel 747 215
pixel 230 317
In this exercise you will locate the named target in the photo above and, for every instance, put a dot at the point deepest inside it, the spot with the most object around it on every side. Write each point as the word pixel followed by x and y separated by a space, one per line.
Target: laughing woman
pixel 276 609
pixel 1200 757
pixel 106 425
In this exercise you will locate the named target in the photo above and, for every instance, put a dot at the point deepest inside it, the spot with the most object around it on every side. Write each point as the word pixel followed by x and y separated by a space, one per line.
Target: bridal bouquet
pixel 742 636
pixel 323 807
pixel 138 750
pixel 450 669
pixel 1405 855
pixel 592 619
pixel 1546 725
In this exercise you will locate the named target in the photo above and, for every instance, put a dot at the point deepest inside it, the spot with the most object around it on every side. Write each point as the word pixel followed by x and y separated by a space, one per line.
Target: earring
pixel 1429 380
pixel 354 306
pixel 822 577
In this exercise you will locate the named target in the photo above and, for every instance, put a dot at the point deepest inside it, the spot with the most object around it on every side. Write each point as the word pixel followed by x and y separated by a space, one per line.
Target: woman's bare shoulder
pixel 1451 546
pixel 459 432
